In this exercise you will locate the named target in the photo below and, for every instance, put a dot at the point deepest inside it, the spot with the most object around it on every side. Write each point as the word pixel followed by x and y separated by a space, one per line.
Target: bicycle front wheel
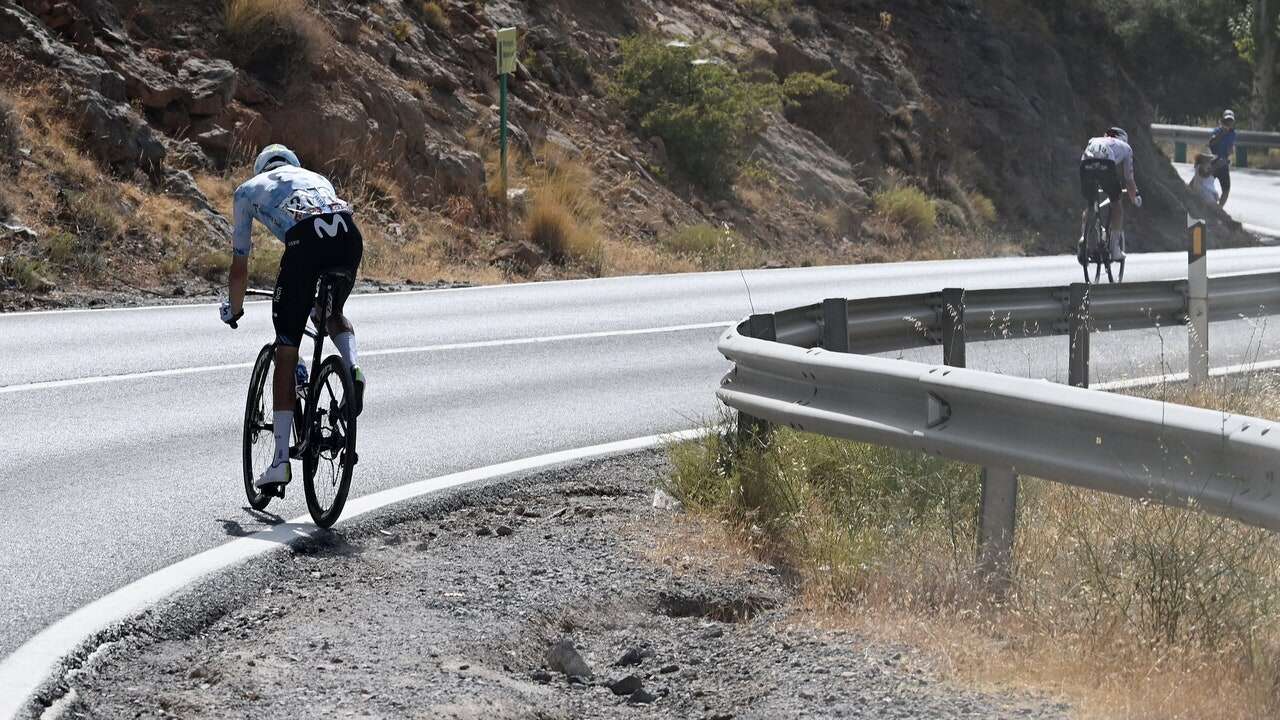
pixel 259 447
pixel 331 455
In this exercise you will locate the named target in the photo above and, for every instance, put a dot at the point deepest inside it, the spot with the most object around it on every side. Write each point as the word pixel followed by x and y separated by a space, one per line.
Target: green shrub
pixel 21 272
pixel 705 113
pixel 803 87
pixel 830 510
pixel 909 207
pixel 984 211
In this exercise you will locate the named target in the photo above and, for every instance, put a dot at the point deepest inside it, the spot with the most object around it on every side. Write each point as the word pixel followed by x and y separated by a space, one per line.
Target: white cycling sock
pixel 283 425
pixel 346 344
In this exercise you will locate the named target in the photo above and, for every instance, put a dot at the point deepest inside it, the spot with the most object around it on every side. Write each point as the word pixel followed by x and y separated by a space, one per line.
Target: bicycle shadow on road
pixel 302 538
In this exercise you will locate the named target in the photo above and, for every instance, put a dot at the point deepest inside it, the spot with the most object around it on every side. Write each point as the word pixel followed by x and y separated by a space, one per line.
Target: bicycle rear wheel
pixel 331 455
pixel 259 443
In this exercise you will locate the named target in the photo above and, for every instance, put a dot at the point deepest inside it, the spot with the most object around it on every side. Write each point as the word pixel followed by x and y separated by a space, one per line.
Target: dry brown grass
pixel 1124 608
pixel 287 29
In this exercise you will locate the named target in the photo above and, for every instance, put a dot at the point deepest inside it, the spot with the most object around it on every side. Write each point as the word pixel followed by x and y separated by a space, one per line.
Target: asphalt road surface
pixel 123 426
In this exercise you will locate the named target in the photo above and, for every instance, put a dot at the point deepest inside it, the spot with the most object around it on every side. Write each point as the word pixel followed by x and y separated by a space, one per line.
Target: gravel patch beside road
pixel 554 596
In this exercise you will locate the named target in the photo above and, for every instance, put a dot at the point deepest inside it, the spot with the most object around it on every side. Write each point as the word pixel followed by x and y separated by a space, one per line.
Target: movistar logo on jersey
pixel 330 230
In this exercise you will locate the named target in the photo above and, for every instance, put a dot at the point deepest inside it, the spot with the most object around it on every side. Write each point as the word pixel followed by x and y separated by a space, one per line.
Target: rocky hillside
pixel 888 130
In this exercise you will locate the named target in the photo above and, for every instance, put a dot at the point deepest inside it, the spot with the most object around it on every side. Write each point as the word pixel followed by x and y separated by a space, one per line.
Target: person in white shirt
pixel 1202 184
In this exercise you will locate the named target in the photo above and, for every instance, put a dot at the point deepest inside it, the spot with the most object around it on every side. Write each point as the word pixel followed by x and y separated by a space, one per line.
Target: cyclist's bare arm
pixel 241 244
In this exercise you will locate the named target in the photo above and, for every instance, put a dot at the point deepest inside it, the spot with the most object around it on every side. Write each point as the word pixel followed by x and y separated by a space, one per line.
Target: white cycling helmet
pixel 1228 115
pixel 1119 134
pixel 272 157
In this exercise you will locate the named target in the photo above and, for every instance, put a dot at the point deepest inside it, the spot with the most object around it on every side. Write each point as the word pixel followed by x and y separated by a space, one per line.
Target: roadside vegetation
pixel 1126 608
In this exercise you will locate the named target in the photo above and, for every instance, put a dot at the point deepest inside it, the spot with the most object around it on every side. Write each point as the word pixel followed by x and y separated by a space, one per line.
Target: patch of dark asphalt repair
pixel 537 598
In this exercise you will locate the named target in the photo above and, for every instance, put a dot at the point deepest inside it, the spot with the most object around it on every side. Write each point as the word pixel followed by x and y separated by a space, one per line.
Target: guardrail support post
pixel 996 523
pixel 1078 336
pixel 1180 152
pixel 835 325
pixel 1198 305
pixel 1242 156
pixel 753 430
pixel 953 337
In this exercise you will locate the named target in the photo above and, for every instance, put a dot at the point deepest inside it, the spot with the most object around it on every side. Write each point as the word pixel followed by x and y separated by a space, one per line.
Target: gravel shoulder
pixel 563 595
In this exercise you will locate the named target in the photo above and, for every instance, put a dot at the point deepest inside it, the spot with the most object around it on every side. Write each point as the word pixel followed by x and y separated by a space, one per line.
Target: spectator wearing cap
pixel 1222 143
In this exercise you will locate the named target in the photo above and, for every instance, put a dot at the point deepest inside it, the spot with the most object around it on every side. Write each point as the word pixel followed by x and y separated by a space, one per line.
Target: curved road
pixel 123 426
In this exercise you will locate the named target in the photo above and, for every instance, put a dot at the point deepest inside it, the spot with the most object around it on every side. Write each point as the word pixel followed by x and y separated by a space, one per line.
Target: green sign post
pixel 507 38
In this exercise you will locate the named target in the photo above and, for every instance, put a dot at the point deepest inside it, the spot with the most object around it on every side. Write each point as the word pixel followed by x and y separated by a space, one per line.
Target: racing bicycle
pixel 1095 246
pixel 324 422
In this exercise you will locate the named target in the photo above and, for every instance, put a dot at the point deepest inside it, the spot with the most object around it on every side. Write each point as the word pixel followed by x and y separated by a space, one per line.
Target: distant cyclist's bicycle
pixel 1095 246
pixel 324 422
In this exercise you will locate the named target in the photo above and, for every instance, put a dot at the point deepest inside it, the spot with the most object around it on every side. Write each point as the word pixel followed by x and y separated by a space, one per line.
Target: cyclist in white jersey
pixel 303 211
pixel 1107 162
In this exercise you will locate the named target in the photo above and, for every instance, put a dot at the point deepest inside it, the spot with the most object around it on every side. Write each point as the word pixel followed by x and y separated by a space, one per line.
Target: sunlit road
pixel 116 465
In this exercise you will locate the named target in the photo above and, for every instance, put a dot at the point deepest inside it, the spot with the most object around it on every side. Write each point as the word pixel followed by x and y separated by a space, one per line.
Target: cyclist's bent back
pixel 302 209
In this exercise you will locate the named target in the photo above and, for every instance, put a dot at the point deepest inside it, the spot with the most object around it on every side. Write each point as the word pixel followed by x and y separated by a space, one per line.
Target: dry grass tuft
pixel 282 31
pixel 10 136
pixel 433 15
pixel 564 215
pixel 711 248
pixel 909 208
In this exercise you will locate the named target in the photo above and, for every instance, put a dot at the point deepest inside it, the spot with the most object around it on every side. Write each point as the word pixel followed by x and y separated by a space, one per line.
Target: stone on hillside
pixel 457 170
pixel 212 84
pixel 520 256
pixel 562 141
pixel 564 658
pixel 807 166
pixel 19 28
pixel 115 135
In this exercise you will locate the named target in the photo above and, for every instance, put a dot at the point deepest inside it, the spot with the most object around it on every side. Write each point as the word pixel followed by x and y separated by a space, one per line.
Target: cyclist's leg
pixel 1115 224
pixel 295 288
pixel 348 250
pixel 1223 173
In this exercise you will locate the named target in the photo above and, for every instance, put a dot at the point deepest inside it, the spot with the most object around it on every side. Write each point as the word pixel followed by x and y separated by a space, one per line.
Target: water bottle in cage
pixel 300 376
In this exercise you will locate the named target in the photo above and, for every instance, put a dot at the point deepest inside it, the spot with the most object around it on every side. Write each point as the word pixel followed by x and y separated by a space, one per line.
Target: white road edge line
pixel 1151 380
pixel 28 667
pixel 124 377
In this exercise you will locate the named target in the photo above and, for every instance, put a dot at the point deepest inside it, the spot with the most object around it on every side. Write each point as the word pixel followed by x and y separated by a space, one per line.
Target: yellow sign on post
pixel 507 51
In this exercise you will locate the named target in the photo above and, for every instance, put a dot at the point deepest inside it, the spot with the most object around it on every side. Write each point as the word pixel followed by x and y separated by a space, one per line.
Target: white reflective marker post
pixel 507 40
pixel 1197 305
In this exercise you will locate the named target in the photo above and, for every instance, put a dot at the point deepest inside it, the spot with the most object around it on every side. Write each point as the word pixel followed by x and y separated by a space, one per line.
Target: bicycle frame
pixel 324 301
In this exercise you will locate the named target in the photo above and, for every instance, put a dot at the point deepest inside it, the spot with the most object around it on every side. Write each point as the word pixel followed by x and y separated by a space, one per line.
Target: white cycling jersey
pixel 280 199
pixel 1113 149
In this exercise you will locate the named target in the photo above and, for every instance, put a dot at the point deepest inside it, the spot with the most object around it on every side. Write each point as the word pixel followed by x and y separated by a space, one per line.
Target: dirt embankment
pixel 564 596
pixel 131 122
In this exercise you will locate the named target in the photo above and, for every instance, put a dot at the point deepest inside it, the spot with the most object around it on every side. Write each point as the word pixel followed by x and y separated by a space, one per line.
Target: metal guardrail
pixel 1183 135
pixel 808 368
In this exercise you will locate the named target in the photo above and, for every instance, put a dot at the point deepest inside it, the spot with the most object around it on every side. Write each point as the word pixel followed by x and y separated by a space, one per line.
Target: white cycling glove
pixel 227 316
pixel 1137 201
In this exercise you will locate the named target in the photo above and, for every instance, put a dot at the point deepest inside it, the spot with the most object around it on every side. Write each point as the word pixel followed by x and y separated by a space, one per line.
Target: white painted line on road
pixel 1182 377
pixel 23 672
pixel 446 347
pixel 1268 236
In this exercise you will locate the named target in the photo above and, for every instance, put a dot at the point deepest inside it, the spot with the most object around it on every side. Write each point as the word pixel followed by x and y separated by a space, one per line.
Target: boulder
pixel 808 167
pixel 458 171
pixel 212 84
pixel 115 135
pixel 25 33
pixel 519 256
pixel 150 84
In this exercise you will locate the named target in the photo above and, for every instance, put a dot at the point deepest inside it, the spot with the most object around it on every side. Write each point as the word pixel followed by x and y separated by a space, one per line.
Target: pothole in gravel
pixel 725 609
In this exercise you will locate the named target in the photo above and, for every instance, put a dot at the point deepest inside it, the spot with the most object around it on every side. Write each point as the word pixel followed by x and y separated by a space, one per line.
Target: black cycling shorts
pixel 314 246
pixel 1099 173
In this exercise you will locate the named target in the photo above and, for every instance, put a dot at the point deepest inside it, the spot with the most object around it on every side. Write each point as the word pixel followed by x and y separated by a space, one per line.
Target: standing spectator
pixel 1222 144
